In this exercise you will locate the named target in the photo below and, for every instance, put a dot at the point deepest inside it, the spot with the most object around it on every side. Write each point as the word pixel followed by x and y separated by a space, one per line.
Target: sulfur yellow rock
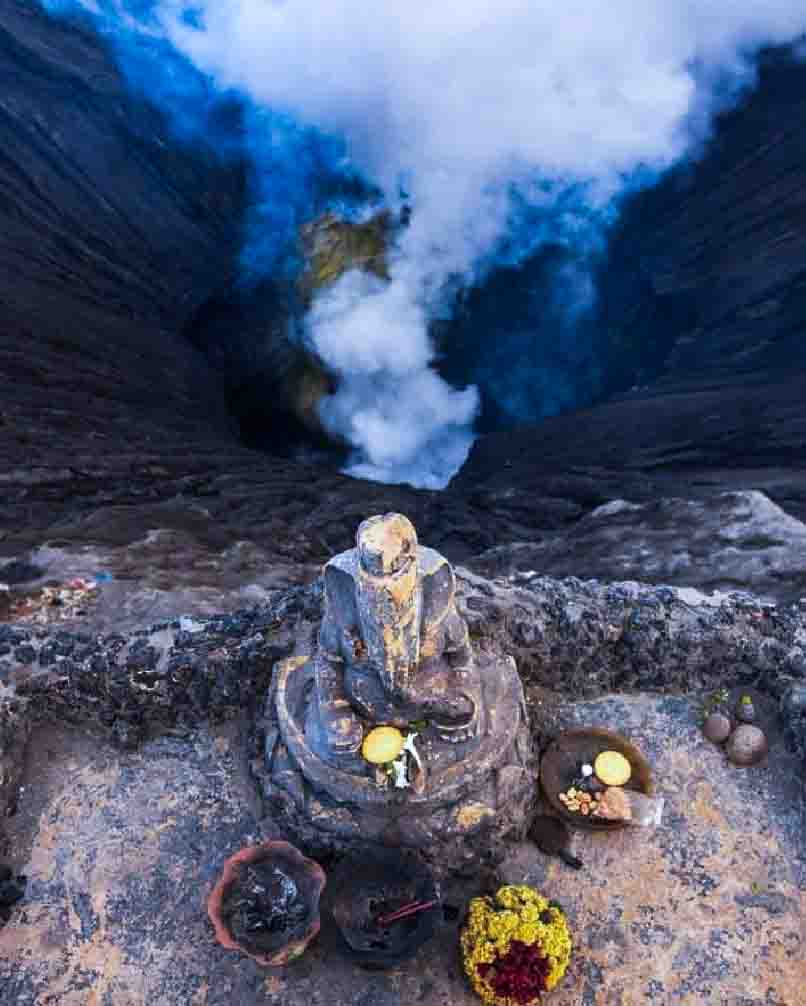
pixel 382 745
pixel 612 768
pixel 332 246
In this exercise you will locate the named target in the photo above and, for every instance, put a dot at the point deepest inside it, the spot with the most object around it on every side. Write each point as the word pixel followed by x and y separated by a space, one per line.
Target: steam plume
pixel 503 125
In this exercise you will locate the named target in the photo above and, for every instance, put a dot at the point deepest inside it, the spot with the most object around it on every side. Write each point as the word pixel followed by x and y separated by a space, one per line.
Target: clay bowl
pixel 559 767
pixel 268 862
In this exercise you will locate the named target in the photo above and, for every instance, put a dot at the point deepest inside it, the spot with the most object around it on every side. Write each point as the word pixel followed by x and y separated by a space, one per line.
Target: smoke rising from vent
pixel 503 125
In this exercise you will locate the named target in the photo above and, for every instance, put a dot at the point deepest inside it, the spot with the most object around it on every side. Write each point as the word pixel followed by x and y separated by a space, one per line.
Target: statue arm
pixel 342 731
pixel 338 617
pixel 329 664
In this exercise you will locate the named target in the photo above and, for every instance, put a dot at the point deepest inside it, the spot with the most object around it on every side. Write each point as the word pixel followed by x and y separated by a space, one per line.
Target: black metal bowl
pixel 377 883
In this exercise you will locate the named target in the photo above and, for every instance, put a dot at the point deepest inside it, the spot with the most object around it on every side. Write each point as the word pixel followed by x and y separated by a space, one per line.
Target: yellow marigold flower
pixel 519 913
pixel 527 933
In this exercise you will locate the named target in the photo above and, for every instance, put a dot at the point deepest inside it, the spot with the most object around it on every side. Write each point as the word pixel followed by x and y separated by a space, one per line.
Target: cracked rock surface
pixel 121 849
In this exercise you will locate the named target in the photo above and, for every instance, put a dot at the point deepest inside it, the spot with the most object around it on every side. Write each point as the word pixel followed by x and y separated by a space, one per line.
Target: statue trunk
pixel 389 617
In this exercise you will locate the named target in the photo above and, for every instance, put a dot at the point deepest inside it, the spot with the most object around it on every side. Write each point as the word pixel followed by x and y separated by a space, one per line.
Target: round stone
pixel 717 728
pixel 747 745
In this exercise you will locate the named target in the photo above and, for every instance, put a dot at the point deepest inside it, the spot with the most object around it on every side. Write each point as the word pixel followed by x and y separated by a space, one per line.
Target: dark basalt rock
pixel 12 890
pixel 15 729
pixel 719 543
pixel 571 637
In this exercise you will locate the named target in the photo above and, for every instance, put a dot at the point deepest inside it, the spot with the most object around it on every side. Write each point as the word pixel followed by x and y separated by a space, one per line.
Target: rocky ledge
pixel 574 637
pixel 578 638
pixel 121 848
pixel 130 764
pixel 724 542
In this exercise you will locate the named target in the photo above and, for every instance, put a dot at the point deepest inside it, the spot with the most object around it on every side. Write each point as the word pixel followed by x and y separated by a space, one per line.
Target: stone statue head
pixel 387 545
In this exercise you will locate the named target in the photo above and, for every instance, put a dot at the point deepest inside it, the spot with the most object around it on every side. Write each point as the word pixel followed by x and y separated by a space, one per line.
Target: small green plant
pixel 714 701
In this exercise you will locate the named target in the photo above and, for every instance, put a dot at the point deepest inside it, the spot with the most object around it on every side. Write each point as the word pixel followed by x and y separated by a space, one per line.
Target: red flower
pixel 521 974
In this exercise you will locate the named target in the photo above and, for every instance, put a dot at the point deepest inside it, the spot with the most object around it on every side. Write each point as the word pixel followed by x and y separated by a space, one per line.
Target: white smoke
pixel 464 104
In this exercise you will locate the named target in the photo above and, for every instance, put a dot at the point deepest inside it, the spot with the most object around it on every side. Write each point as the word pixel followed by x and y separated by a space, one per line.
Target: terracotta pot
pixel 306 874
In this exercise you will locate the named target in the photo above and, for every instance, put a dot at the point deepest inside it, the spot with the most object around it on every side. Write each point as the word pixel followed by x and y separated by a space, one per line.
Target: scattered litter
pixel 54 603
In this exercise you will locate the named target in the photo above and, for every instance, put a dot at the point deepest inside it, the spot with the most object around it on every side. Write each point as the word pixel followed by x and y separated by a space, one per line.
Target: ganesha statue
pixel 392 646
pixel 394 657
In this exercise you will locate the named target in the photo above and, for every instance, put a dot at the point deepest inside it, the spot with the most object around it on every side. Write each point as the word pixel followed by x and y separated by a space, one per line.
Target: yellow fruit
pixel 382 745
pixel 612 768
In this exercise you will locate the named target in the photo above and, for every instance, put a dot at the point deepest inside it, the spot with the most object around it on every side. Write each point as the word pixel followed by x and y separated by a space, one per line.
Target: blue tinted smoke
pixel 514 130
pixel 295 171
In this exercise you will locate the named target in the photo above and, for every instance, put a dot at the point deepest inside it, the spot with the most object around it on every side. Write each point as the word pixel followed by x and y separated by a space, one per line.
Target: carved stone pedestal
pixel 476 793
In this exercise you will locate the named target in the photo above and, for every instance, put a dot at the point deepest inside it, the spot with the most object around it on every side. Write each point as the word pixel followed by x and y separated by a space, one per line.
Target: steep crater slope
pixel 713 262
pixel 110 234
pixel 113 235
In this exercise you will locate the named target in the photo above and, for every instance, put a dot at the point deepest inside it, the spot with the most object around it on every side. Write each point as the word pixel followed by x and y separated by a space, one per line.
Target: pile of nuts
pixel 578 801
